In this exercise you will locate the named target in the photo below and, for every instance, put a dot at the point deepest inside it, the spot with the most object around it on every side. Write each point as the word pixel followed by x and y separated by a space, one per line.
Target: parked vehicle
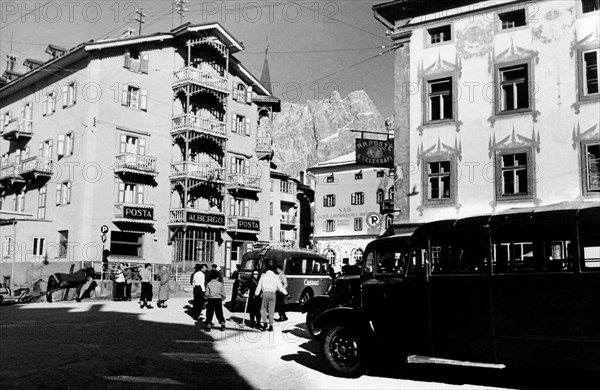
pixel 307 272
pixel 345 290
pixel 519 288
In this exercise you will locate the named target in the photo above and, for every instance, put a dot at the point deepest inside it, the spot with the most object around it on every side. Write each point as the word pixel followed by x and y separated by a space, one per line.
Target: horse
pixel 76 280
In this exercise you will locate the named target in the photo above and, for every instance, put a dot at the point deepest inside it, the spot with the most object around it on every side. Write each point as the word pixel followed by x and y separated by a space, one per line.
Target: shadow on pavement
pixel 63 347
pixel 395 367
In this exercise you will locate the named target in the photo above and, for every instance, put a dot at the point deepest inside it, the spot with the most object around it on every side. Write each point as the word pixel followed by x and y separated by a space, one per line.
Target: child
pixel 146 296
pixel 215 295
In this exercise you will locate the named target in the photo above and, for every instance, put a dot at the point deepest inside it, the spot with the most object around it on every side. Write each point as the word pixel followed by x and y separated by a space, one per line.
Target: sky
pixel 315 46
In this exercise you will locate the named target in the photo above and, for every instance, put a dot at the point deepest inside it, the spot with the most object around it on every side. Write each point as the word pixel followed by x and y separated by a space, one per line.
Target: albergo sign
pixel 138 213
pixel 375 153
pixel 207 219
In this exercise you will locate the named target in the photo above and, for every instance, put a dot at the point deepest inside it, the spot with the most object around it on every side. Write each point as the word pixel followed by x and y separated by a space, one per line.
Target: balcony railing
pixel 264 144
pixel 196 123
pixel 133 212
pixel 202 78
pixel 202 171
pixel 37 166
pixel 205 218
pixel 18 128
pixel 243 180
pixel 288 219
pixel 130 162
pixel 11 172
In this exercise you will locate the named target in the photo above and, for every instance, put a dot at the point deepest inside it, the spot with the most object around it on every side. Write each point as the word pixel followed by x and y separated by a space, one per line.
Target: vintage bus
pixel 307 272
pixel 518 288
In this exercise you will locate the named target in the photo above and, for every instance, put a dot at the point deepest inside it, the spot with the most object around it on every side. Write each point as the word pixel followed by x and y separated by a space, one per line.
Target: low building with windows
pixel 144 145
pixel 348 199
pixel 496 105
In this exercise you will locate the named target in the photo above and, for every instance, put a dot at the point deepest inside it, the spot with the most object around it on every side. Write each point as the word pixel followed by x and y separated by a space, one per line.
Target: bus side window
pixel 294 266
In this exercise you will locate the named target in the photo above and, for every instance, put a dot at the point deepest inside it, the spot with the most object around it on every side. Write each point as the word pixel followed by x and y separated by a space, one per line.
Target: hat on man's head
pixel 197 267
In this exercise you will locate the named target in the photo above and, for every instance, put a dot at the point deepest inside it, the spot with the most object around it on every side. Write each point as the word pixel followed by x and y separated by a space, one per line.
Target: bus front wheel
pixel 305 296
pixel 344 351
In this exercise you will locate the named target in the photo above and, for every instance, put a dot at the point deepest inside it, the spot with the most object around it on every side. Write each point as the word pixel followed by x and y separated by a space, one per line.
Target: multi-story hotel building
pixel 290 211
pixel 496 105
pixel 144 145
pixel 348 199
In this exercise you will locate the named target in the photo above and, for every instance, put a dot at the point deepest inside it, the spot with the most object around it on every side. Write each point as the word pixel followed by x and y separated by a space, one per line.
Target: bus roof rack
pixel 267 248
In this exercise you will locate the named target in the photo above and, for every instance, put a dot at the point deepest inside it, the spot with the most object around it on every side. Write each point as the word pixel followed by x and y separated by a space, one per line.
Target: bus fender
pixel 320 302
pixel 342 315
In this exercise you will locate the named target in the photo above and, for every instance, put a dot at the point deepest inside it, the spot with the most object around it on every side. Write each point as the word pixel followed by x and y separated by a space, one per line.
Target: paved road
pixel 105 344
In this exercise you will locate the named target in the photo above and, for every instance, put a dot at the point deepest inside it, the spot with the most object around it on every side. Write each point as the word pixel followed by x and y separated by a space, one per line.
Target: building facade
pixel 144 145
pixel 496 105
pixel 348 199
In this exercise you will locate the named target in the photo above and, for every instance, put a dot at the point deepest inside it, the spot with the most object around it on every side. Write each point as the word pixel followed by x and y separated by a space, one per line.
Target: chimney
pixel 128 32
pixel 11 60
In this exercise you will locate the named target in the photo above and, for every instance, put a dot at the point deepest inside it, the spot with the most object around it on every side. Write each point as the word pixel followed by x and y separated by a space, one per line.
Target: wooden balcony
pixel 193 76
pixel 196 218
pixel 202 171
pixel 189 122
pixel 264 147
pixel 288 222
pixel 135 163
pixel 11 174
pixel 243 181
pixel 37 167
pixel 18 129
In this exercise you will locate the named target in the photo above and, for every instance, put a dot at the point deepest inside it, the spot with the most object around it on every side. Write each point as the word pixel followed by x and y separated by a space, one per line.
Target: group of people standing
pixel 209 291
pixel 125 276
pixel 266 294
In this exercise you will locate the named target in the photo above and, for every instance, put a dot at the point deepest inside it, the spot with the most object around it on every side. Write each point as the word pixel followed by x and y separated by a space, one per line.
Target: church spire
pixel 265 76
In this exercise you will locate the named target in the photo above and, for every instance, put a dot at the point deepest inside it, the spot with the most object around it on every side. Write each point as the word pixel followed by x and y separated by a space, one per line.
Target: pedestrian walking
pixel 128 274
pixel 279 296
pixel 163 288
pixel 236 285
pixel 119 280
pixel 269 283
pixel 198 281
pixel 215 295
pixel 254 301
pixel 146 279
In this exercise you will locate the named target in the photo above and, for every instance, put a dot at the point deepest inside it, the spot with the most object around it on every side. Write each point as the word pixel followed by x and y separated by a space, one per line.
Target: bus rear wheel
pixel 344 351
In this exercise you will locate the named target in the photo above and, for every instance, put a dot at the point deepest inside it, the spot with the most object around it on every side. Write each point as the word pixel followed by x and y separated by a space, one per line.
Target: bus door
pixel 459 295
pixel 393 301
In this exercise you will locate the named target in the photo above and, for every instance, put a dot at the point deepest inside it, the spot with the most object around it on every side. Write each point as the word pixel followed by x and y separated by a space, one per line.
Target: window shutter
pixel 61 145
pixel 23 110
pixel 45 105
pixel 247 126
pixel 49 155
pixel 74 95
pixel 41 150
pixel 144 63
pixel 142 148
pixel 234 93
pixel 124 93
pixel 25 153
pixel 58 193
pixel 123 144
pixel 233 119
pixel 246 167
pixel 140 194
pixel 249 95
pixel 121 193
pixel 127 59
pixel 232 167
pixel 68 193
pixel 143 99
pixel 65 95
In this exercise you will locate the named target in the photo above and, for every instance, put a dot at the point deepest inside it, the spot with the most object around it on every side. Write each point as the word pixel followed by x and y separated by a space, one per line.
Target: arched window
pixel 330 255
pixel 379 196
pixel 391 193
pixel 357 255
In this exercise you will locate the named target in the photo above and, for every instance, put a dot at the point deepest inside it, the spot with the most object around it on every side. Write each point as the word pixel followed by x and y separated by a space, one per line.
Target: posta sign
pixel 248 224
pixel 375 153
pixel 138 213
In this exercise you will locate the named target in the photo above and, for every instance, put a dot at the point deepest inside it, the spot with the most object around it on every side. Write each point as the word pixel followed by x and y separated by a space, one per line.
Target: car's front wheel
pixel 344 351
pixel 310 321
